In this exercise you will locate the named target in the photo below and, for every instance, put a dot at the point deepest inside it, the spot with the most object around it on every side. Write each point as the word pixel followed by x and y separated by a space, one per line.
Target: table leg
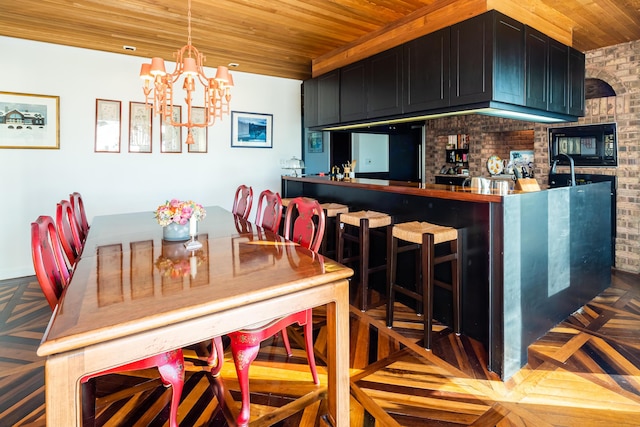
pixel 338 355
pixel 62 385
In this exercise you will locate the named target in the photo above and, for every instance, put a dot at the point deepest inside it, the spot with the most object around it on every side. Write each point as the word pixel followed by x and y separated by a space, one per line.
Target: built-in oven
pixel 564 180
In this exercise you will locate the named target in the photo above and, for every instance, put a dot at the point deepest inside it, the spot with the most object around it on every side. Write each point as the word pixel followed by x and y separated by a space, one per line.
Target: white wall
pixel 33 181
pixel 371 152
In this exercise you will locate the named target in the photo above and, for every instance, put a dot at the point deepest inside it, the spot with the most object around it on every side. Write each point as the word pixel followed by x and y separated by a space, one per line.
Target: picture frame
pixel 171 136
pixel 139 127
pixel 29 121
pixel 200 134
pixel 251 130
pixel 108 126
pixel 315 143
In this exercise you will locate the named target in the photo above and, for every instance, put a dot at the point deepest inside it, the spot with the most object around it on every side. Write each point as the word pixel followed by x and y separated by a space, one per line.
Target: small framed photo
pixel 315 144
pixel 251 130
pixel 29 121
pixel 108 126
pixel 171 136
pixel 139 128
pixel 200 134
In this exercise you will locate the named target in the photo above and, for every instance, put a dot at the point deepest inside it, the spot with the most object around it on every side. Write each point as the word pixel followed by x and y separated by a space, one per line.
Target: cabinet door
pixel 329 98
pixel 471 60
pixel 384 85
pixel 576 82
pixel 536 69
pixel 508 60
pixel 558 77
pixel 426 72
pixel 353 99
pixel 310 102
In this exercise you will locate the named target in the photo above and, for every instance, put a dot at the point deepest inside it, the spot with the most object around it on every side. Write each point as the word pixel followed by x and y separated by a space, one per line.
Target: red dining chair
pixel 242 201
pixel 245 343
pixel 270 215
pixel 53 275
pixel 69 231
pixel 81 216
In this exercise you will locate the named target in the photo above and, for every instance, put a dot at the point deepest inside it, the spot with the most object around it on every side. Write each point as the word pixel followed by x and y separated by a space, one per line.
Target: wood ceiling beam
pixel 440 14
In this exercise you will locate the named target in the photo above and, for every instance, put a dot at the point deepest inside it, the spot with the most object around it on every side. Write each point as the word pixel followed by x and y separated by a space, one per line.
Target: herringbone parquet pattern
pixel 584 372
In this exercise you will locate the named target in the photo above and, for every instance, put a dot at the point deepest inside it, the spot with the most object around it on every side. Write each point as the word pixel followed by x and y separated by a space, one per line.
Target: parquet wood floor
pixel 584 372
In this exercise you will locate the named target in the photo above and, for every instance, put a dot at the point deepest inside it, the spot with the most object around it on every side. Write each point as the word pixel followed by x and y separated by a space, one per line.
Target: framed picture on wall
pixel 29 121
pixel 171 136
pixel 200 134
pixel 314 142
pixel 251 130
pixel 139 128
pixel 108 126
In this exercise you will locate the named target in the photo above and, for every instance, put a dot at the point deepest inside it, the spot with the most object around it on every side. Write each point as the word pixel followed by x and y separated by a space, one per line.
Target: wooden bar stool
pixel 331 211
pixel 423 237
pixel 367 223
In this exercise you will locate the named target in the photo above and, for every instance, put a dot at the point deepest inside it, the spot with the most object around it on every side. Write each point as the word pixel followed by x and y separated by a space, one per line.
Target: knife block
pixel 527 184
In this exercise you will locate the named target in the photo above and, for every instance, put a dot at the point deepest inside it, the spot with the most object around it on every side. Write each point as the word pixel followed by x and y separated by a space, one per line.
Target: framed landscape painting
pixel 29 121
pixel 251 130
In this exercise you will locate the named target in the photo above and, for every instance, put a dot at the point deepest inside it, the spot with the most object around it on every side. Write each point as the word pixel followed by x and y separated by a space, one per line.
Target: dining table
pixel 133 295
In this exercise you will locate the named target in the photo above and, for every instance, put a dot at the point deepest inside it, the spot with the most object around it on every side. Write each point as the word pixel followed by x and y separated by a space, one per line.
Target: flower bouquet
pixel 175 216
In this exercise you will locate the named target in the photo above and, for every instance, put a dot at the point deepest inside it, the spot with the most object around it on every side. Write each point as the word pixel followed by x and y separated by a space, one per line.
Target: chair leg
pixel 456 274
pixel 89 403
pixel 391 295
pixel 216 357
pixel 285 339
pixel 172 373
pixel 243 355
pixel 308 339
pixel 339 240
pixel 364 262
pixel 427 286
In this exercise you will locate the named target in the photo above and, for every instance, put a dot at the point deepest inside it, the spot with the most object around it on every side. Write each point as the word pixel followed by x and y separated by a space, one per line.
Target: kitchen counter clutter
pixel 529 258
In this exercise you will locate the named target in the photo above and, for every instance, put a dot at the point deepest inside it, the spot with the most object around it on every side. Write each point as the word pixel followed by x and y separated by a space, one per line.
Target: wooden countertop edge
pixel 440 191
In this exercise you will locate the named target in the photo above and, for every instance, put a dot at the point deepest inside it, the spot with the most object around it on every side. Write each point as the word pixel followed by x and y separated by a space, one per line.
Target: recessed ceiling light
pixel 233 65
pixel 129 48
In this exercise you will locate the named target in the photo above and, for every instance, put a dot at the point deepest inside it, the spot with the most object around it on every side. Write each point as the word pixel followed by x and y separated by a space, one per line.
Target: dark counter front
pixel 529 259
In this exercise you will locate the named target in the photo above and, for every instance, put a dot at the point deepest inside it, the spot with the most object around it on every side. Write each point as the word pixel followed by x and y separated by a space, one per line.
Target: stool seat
pixel 413 231
pixel 422 237
pixel 376 219
pixel 333 209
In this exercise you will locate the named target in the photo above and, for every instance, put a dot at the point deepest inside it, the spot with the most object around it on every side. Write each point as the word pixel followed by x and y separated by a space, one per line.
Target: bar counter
pixel 529 258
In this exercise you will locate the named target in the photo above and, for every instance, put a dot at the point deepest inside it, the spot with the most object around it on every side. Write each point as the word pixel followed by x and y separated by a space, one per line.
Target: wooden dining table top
pixel 130 280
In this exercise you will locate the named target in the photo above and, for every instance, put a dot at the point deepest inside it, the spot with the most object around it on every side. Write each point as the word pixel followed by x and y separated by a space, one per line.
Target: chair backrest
pixel 308 227
pixel 270 215
pixel 242 201
pixel 81 216
pixel 68 231
pixel 49 262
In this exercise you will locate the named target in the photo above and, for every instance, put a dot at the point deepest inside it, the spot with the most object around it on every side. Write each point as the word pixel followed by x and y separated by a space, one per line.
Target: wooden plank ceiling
pixel 290 38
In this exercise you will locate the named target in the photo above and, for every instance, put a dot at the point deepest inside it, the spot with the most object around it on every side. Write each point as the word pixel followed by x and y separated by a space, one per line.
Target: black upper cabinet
pixel 353 95
pixel 508 59
pixel 537 69
pixel 426 72
pixel 558 77
pixel 384 85
pixel 487 60
pixel 310 102
pixel 471 64
pixel 576 82
pixel 329 98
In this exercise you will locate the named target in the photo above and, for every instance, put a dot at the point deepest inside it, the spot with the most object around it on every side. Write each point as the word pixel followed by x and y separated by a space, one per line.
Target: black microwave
pixel 588 145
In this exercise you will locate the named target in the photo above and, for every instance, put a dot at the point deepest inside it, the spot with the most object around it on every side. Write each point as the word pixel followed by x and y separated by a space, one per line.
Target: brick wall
pixel 619 66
